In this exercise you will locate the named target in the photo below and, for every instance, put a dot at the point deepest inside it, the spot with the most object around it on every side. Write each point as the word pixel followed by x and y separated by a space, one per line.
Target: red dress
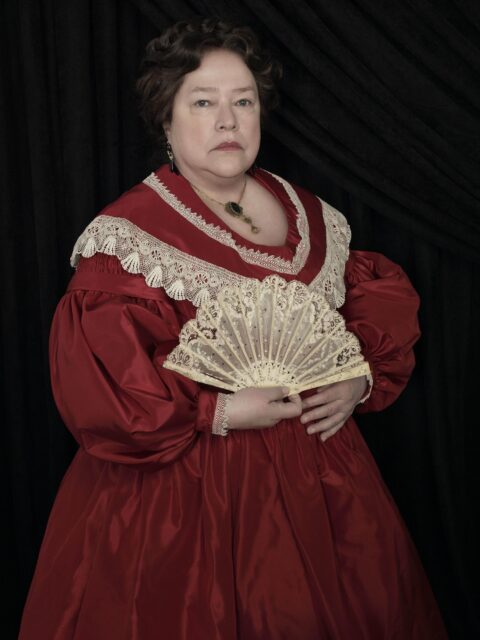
pixel 161 530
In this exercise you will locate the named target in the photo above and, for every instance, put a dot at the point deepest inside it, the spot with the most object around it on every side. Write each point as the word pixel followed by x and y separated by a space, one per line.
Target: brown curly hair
pixel 179 50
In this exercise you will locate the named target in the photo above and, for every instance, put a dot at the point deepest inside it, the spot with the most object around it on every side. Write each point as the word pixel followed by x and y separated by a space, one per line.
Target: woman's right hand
pixel 257 408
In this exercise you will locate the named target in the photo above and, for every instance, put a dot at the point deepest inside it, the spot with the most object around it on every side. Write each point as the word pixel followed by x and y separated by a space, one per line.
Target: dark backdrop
pixel 380 116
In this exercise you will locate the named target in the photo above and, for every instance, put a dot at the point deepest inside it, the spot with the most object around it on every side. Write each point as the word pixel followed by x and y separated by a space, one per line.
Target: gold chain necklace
pixel 232 207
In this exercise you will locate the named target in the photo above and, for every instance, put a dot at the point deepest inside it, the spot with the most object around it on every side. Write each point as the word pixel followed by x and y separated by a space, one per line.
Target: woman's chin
pixel 228 167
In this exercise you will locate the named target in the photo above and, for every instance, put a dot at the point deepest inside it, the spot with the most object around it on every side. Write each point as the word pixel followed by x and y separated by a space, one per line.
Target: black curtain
pixel 379 116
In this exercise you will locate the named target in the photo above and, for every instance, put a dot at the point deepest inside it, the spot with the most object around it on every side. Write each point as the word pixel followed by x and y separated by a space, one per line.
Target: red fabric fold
pixel 381 309
pixel 106 354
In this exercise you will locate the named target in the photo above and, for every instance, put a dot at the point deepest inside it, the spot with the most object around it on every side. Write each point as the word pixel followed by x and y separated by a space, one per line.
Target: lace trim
pixel 368 392
pixel 220 420
pixel 184 277
pixel 252 256
pixel 330 279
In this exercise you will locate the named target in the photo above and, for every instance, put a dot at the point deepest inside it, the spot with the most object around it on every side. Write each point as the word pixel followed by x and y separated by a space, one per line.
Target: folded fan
pixel 267 333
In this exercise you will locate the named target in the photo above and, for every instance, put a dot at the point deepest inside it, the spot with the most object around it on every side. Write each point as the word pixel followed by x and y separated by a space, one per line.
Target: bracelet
pixel 220 419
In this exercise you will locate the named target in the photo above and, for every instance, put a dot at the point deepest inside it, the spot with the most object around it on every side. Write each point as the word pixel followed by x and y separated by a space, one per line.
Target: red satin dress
pixel 163 531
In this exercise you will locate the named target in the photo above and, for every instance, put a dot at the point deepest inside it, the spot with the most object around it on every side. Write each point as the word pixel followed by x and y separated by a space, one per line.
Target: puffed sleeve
pixel 381 309
pixel 106 354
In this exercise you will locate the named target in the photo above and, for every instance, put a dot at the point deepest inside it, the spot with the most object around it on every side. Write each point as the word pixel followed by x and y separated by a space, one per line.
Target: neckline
pixel 292 238
pixel 287 258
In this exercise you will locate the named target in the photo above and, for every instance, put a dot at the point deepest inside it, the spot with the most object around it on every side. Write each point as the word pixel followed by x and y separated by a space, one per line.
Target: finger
pixel 275 393
pixel 321 397
pixel 321 412
pixel 296 399
pixel 331 432
pixel 292 409
pixel 326 424
pixel 325 386
pixel 285 410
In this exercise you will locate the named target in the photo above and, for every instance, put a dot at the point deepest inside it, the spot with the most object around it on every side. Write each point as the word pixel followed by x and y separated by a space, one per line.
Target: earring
pixel 173 168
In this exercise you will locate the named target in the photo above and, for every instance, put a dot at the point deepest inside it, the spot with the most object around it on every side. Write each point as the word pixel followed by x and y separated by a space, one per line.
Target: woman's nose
pixel 226 120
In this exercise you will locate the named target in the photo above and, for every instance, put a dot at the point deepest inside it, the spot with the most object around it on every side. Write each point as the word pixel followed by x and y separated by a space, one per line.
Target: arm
pixel 108 342
pixel 121 405
pixel 381 310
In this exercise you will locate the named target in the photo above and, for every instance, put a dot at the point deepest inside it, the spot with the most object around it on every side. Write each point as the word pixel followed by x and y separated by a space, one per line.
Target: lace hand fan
pixel 267 333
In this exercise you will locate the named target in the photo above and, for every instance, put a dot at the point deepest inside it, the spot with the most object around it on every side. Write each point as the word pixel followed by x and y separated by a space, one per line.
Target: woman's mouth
pixel 228 146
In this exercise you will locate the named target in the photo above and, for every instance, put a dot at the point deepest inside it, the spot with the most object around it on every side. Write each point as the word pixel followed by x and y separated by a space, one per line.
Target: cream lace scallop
pixel 183 277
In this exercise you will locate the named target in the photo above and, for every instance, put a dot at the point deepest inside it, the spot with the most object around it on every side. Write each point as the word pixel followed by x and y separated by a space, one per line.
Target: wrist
pixel 367 389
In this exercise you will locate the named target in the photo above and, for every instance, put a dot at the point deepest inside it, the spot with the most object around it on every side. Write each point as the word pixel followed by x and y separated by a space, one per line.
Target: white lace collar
pixel 250 255
pixel 186 277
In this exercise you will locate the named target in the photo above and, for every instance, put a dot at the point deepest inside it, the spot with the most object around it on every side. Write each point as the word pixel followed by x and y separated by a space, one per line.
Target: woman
pixel 162 528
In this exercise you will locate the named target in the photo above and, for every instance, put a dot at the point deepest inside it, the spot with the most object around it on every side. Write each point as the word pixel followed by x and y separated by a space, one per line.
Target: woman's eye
pixel 244 102
pixel 202 103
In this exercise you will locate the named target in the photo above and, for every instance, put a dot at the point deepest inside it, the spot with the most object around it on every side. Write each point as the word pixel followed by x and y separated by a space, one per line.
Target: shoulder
pixel 143 213
pixel 314 201
pixel 139 205
pixel 279 184
pixel 147 203
pixel 316 207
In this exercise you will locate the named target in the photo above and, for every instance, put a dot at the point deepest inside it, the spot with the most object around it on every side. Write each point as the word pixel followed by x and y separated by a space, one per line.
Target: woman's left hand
pixel 333 405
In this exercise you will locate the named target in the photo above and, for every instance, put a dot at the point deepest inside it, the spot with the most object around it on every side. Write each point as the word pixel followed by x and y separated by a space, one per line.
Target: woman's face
pixel 216 104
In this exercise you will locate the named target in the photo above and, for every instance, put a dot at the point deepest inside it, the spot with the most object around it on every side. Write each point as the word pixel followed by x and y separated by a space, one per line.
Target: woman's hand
pixel 333 404
pixel 256 408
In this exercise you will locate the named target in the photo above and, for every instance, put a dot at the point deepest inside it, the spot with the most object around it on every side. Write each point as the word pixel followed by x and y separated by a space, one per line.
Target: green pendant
pixel 234 209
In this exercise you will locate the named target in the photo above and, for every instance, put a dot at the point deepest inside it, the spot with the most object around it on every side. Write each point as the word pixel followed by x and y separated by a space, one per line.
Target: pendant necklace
pixel 231 207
